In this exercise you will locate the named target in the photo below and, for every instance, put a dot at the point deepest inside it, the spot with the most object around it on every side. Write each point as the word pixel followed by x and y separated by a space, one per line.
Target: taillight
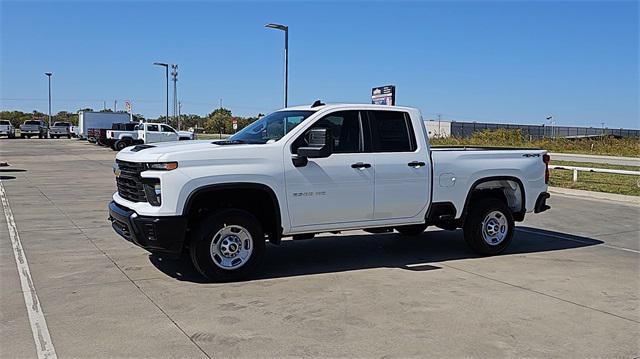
pixel 546 158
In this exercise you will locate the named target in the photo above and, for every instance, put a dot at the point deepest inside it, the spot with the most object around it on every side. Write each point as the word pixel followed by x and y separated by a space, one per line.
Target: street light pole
pixel 166 72
pixel 286 58
pixel 49 76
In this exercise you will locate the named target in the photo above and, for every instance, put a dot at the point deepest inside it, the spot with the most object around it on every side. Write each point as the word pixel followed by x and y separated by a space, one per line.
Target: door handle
pixel 416 164
pixel 360 165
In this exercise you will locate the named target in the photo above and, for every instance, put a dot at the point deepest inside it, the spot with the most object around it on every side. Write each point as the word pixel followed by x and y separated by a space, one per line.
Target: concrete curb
pixel 634 200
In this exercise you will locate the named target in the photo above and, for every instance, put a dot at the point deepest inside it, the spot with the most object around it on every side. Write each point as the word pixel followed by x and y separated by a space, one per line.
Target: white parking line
pixel 575 240
pixel 41 337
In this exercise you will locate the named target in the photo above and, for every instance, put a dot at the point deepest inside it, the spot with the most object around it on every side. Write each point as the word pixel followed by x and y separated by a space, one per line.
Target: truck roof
pixel 367 106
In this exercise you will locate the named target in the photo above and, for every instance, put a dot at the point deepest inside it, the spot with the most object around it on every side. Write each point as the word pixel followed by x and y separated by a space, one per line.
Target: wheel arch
pixel 494 186
pixel 274 229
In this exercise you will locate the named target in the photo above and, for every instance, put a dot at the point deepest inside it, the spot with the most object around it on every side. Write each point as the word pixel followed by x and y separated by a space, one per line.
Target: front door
pixel 168 133
pixel 153 133
pixel 335 189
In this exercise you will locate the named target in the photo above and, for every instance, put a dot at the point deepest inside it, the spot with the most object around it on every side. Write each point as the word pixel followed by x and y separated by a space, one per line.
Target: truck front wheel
pixel 228 246
pixel 489 226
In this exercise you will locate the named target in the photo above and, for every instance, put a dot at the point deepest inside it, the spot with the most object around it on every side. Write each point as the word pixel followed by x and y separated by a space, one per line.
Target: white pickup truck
pixel 321 168
pixel 121 136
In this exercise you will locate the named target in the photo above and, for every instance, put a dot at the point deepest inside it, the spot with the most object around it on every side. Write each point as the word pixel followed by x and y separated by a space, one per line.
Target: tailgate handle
pixel 360 165
pixel 416 164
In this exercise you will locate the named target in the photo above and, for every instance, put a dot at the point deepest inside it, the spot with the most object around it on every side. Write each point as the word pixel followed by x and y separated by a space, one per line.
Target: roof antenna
pixel 317 103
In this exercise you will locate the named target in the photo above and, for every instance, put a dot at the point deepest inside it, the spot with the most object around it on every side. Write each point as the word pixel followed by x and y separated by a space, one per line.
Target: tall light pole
pixel 166 72
pixel 284 28
pixel 49 76
pixel 174 78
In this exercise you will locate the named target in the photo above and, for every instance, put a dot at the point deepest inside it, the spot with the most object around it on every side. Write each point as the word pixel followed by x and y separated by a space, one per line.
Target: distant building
pixel 436 129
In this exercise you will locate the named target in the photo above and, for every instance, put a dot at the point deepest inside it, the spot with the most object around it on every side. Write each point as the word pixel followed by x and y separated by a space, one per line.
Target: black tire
pixel 500 231
pixel 208 232
pixel 69 136
pixel 412 230
pixel 39 136
pixel 120 145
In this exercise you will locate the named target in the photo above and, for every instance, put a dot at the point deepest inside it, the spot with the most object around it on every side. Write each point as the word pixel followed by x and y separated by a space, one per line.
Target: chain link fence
pixel 466 129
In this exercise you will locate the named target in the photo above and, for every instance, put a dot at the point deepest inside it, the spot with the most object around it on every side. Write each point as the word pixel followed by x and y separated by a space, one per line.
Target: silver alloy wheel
pixel 495 228
pixel 231 247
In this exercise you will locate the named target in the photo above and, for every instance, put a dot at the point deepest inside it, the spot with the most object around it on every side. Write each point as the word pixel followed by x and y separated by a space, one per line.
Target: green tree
pixel 218 121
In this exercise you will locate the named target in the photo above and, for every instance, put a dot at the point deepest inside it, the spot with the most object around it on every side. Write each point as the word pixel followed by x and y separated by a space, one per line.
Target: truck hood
pixel 179 151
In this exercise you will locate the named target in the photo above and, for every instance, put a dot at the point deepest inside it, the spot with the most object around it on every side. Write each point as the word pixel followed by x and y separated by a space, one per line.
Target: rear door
pixel 402 182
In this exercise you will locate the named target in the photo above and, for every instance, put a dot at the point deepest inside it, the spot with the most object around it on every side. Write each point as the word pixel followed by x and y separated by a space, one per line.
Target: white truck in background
pixel 98 120
pixel 7 129
pixel 60 129
pixel 145 132
pixel 321 168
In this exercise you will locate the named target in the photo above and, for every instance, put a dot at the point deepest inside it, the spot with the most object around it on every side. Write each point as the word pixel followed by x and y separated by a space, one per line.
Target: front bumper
pixel 541 203
pixel 156 234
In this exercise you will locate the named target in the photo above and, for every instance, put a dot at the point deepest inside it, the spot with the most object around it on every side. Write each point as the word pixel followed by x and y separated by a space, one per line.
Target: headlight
pixel 152 191
pixel 162 166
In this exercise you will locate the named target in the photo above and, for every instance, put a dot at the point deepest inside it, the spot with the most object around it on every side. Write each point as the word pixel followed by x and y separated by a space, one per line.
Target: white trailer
pixel 89 119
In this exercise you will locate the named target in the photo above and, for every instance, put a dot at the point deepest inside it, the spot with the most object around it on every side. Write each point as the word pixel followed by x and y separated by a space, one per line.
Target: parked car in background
pixel 7 129
pixel 321 168
pixel 32 128
pixel 60 129
pixel 126 135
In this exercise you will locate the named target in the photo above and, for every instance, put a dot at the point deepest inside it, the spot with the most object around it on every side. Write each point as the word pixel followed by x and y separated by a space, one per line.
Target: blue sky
pixel 484 61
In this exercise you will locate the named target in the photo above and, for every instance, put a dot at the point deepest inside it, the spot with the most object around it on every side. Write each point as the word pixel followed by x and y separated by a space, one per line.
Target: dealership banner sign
pixel 384 95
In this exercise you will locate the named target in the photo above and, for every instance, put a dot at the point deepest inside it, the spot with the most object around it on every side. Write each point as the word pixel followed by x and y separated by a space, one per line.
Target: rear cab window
pixel 391 131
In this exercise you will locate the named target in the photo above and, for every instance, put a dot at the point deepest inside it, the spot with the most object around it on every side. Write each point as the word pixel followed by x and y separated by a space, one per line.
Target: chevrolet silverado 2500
pixel 321 168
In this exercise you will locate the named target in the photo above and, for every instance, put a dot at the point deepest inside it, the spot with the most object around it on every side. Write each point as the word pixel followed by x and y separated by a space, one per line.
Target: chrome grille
pixel 129 182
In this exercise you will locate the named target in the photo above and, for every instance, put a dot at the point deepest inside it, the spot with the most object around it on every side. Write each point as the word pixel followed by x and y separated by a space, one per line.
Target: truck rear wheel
pixel 228 246
pixel 120 145
pixel 411 230
pixel 488 228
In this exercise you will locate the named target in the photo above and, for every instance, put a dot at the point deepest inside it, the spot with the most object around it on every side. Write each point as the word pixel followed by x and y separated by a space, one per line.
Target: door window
pixel 345 128
pixel 166 128
pixel 391 131
pixel 152 128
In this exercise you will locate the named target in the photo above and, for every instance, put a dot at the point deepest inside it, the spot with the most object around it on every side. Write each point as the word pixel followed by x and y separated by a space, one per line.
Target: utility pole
pixel 115 105
pixel 602 123
pixel 174 78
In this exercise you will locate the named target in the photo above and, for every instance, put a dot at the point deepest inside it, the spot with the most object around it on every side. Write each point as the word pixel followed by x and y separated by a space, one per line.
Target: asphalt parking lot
pixel 567 287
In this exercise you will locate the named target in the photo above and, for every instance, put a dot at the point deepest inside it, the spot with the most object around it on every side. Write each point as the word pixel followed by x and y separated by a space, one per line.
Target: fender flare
pixel 479 181
pixel 240 185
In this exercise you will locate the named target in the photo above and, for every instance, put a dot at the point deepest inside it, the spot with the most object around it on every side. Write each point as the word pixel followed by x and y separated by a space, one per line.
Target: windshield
pixel 271 127
pixel 32 123
pixel 5 123
pixel 57 124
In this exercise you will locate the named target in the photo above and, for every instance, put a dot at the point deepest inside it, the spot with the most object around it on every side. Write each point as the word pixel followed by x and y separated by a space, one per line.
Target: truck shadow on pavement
pixel 348 252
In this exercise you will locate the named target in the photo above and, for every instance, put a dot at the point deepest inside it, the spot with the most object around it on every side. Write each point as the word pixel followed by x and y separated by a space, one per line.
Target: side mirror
pixel 320 144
